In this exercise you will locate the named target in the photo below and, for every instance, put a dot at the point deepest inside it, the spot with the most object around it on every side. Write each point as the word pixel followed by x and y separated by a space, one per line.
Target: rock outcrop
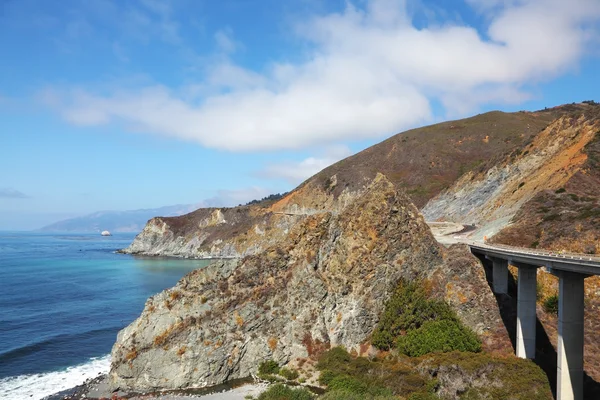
pixel 239 231
pixel 323 285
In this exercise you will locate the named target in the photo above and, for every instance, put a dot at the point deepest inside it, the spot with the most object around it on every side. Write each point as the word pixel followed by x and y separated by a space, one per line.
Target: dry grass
pixel 131 355
pixel 272 343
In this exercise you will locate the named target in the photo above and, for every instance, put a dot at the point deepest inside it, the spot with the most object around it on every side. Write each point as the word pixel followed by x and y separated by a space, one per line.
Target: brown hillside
pixel 426 160
pixel 567 218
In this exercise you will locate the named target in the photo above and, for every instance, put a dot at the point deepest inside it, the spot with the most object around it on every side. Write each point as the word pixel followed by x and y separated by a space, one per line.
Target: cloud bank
pixel 369 71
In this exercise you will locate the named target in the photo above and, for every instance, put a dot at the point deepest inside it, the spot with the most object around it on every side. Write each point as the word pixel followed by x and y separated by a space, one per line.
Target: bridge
pixel 571 270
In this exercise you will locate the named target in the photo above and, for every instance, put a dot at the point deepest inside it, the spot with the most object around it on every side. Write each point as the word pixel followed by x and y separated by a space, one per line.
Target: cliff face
pixel 322 285
pixel 239 231
pixel 565 216
pixel 555 158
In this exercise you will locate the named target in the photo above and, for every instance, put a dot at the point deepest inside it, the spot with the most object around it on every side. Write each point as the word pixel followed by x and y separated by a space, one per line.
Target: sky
pixel 130 104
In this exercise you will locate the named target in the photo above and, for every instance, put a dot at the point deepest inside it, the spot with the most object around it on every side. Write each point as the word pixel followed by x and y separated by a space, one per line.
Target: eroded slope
pixel 555 158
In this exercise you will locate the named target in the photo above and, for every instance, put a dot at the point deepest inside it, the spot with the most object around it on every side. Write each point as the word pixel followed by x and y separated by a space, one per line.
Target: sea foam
pixel 38 386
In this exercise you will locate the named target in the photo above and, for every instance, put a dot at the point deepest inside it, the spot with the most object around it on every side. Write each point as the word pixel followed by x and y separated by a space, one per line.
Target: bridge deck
pixel 580 263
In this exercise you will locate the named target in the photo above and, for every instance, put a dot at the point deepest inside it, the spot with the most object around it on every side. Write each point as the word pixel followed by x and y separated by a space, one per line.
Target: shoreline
pixel 98 388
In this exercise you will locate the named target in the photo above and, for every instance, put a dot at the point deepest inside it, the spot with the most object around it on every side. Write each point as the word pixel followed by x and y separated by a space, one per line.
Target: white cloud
pixel 370 72
pixel 296 172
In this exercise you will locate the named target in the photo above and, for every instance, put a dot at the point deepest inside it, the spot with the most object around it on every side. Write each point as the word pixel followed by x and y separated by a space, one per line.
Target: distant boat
pixel 106 233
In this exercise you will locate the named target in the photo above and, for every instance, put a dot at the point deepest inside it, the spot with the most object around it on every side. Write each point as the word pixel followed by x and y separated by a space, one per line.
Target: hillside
pixel 565 216
pixel 422 161
pixel 426 160
pixel 528 179
pixel 513 187
pixel 324 285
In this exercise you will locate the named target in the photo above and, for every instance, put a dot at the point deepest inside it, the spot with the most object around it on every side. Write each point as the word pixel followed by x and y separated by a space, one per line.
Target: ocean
pixel 63 299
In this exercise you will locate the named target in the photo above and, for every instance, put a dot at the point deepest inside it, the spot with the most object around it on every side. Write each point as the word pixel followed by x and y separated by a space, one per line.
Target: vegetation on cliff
pixel 455 375
pixel 416 324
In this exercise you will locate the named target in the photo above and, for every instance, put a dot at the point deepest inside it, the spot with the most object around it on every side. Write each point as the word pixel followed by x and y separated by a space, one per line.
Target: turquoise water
pixel 63 298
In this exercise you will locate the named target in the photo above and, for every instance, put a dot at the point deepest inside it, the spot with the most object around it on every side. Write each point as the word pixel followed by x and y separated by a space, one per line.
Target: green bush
pixel 345 395
pixel 561 190
pixel 283 392
pixel 376 378
pixel 438 337
pixel 268 367
pixel 333 359
pixel 289 374
pixel 551 304
pixel 423 396
pixel 326 377
pixel 348 384
pixel 407 309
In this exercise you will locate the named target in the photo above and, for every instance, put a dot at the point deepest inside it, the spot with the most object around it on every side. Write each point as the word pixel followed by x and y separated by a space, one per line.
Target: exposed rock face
pixel 491 199
pixel 324 285
pixel 239 231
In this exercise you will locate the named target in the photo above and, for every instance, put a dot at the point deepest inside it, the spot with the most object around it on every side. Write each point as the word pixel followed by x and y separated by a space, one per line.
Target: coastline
pixel 98 388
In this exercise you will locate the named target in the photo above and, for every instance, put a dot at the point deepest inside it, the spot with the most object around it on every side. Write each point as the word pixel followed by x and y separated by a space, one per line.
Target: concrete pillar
pixel 570 336
pixel 500 275
pixel 526 315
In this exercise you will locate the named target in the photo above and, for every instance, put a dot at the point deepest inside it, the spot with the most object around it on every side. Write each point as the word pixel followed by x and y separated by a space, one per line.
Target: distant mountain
pixel 117 221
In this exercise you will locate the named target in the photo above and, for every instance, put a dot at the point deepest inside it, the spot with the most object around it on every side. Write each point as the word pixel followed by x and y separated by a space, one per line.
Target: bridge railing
pixel 535 252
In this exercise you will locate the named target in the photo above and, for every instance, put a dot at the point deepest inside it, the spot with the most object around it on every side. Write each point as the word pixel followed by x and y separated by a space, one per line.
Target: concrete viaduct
pixel 571 271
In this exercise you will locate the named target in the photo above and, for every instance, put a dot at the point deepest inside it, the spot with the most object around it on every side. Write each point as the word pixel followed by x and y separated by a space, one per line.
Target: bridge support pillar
pixel 526 315
pixel 500 275
pixel 570 336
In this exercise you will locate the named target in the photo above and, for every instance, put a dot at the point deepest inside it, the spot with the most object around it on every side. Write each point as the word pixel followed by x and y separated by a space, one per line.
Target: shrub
pixel 551 304
pixel 438 336
pixel 355 385
pixel 334 358
pixel 561 190
pixel 268 367
pixel 551 217
pixel 345 395
pixel 326 377
pixel 348 384
pixel 283 392
pixel 423 396
pixel 289 374
pixel 408 308
pixel 343 374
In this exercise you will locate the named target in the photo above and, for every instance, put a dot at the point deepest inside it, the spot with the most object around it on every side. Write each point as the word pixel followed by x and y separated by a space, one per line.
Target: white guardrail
pixel 531 252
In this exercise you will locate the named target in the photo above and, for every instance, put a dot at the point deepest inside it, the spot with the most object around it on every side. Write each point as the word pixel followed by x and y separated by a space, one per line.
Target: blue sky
pixel 127 104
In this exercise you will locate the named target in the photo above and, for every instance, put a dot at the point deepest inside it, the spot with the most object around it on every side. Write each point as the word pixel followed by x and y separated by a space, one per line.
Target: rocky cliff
pixel 422 161
pixel 324 284
pixel 240 231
